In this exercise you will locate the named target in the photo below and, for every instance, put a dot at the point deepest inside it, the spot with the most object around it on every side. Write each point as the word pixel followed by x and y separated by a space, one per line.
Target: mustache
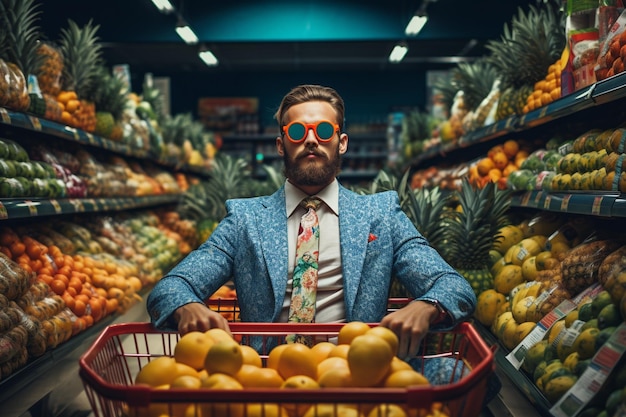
pixel 308 152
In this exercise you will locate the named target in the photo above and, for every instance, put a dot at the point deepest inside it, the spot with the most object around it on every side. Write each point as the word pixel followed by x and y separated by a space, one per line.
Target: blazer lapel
pixel 354 229
pixel 272 227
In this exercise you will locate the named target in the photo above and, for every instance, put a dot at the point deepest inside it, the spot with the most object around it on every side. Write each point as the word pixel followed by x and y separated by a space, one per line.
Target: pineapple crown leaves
pixel 416 126
pixel 82 56
pixel 531 43
pixel 108 92
pixel 21 34
pixel 154 96
pixel 426 209
pixel 470 233
pixel 475 79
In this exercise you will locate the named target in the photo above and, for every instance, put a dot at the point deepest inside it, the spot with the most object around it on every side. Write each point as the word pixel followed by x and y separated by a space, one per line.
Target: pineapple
pixel 109 96
pixel 472 230
pixel 21 37
pixel 581 265
pixel 51 68
pixel 531 43
pixel 476 80
pixel 83 58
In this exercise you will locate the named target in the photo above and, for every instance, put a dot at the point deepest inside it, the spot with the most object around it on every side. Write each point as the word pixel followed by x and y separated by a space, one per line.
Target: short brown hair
pixel 311 92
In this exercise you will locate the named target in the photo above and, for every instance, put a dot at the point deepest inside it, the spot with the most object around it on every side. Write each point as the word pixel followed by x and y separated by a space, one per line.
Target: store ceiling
pixel 279 35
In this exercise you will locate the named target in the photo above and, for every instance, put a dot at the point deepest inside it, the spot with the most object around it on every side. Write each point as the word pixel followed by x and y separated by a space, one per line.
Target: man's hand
pixel 198 317
pixel 410 323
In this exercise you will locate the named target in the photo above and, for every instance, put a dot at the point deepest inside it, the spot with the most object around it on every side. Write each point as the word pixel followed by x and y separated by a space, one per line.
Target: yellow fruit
pixel 369 360
pixel 508 334
pixel 182 369
pixel 404 378
pixel 585 343
pixel 522 331
pixel 224 357
pixel 251 356
pixel 520 309
pixel 254 376
pixel 274 356
pixel 340 351
pixel 192 348
pixel 556 387
pixel 159 371
pixel 336 378
pixel 387 410
pixel 511 235
pixel 508 278
pixel 398 364
pixel 300 382
pixel 221 381
pixel 297 359
pixel 489 301
pixel 218 334
pixel 186 381
pixel 529 269
pixel 350 330
pixel 555 330
pixel 321 350
pixel 541 241
pixel 541 258
pixel 518 253
pixel 387 334
pixel 331 363
pixel 570 318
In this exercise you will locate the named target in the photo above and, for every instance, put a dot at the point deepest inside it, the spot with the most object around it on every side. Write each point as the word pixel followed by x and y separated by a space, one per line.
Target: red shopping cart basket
pixel 110 365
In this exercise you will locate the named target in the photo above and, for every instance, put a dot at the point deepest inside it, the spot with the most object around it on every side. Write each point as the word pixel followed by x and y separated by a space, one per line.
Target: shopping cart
pixel 109 367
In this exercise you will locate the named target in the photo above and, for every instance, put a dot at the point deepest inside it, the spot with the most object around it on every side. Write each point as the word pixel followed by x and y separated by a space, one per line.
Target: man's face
pixel 310 162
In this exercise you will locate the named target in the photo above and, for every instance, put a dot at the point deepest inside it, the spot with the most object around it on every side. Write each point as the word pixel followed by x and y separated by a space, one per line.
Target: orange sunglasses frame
pixel 309 126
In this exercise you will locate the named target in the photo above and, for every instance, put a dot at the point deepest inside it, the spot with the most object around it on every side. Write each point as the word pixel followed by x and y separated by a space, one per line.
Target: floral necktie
pixel 304 288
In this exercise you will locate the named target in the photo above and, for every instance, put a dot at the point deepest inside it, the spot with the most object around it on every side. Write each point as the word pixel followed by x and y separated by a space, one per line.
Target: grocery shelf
pixel 606 204
pixel 13 119
pixel 11 209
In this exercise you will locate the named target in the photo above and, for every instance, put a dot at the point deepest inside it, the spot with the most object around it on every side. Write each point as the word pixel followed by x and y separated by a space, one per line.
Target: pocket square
pixel 371 238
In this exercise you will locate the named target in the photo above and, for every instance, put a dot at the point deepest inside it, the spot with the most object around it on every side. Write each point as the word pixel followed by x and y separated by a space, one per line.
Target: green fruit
pixel 540 369
pixel 7 168
pixel 4 149
pixel 581 366
pixel 591 411
pixel 534 356
pixel 601 300
pixel 616 397
pixel 557 386
pixel 585 312
pixel 585 343
pixel 603 336
pixel 590 324
pixel 609 316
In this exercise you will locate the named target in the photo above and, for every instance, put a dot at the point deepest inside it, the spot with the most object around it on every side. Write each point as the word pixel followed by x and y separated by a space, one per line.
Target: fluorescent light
pixel 416 24
pixel 398 53
pixel 164 6
pixel 185 32
pixel 208 57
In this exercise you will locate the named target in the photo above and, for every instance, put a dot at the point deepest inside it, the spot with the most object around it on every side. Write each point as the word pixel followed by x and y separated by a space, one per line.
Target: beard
pixel 307 173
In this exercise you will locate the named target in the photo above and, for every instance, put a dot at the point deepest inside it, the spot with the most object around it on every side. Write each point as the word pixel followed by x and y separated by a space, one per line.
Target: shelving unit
pixel 30 386
pixel 597 106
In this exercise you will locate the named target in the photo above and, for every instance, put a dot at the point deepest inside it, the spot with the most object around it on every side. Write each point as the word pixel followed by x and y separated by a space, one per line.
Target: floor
pixel 71 401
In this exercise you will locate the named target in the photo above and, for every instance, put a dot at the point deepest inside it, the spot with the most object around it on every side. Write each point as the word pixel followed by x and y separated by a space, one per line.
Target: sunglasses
pixel 324 130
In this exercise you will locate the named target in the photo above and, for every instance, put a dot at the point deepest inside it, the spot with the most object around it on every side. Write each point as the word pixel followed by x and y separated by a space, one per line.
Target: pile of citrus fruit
pixel 364 356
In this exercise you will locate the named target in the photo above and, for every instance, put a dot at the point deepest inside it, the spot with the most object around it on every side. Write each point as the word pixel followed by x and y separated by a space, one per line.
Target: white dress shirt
pixel 330 305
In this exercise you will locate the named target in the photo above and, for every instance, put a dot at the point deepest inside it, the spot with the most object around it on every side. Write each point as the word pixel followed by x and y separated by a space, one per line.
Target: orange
pixel 186 381
pixel 405 378
pixel 351 330
pixel 387 410
pixel 159 371
pixel 484 166
pixel 218 334
pixel 265 410
pixel 340 351
pixel 386 333
pixel 335 378
pixel 182 369
pixel 300 382
pixel 251 356
pixel 321 350
pixel 254 376
pixel 331 363
pixel 224 357
pixel 297 359
pixel 274 356
pixel 500 160
pixel 192 349
pixel 221 381
pixel 369 360
pixel 398 364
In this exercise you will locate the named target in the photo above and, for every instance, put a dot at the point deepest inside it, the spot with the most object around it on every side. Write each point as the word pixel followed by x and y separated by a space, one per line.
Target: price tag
pixel 91 139
pixel 35 122
pixel 56 206
pixel 526 199
pixel 565 202
pixel 538 198
pixel 73 132
pixel 32 207
pixel 78 205
pixel 596 206
pixel 3 212
pixel 543 112
pixel 4 114
pixel 546 202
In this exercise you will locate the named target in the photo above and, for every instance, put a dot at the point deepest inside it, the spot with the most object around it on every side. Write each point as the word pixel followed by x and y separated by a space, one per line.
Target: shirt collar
pixel 329 195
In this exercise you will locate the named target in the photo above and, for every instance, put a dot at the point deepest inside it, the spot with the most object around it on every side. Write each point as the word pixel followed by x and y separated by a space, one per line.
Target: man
pixel 364 241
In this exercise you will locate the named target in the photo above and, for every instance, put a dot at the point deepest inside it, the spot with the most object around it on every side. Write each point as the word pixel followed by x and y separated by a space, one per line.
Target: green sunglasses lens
pixel 296 131
pixel 325 130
